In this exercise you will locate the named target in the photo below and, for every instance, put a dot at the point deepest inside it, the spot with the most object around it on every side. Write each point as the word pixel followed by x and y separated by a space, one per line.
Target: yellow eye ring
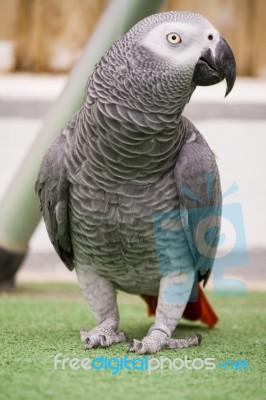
pixel 173 38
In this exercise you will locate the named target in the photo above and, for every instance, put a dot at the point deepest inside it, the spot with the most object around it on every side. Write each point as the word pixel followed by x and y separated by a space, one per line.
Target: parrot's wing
pixel 52 187
pixel 198 185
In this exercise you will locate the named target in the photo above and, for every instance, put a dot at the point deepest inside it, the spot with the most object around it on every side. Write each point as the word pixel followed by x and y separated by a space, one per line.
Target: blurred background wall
pixel 48 35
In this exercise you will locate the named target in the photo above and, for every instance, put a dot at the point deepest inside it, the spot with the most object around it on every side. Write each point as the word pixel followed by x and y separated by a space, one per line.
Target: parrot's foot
pixel 158 340
pixel 101 337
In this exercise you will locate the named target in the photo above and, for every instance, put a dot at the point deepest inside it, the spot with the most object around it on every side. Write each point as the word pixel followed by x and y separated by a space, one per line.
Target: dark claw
pixel 103 340
pixel 130 345
pixel 199 338
pixel 139 346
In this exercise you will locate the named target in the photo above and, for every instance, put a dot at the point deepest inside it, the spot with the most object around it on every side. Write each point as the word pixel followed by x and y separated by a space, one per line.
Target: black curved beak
pixel 211 69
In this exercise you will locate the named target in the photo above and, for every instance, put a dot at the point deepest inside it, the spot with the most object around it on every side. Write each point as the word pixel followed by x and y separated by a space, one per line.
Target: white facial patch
pixel 194 39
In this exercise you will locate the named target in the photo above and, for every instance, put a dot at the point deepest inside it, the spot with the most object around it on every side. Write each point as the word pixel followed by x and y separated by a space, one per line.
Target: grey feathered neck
pixel 132 114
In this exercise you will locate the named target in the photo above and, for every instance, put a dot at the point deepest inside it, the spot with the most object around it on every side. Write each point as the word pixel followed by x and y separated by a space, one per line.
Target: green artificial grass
pixel 38 321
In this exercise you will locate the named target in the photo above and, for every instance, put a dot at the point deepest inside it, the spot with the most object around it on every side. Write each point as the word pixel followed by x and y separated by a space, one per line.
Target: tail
pixel 195 310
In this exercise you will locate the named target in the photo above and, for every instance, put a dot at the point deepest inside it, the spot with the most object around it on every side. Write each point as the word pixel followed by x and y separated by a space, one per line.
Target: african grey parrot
pixel 130 190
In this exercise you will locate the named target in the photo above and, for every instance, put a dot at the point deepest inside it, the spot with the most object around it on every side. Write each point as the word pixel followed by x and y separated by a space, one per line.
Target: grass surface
pixel 39 321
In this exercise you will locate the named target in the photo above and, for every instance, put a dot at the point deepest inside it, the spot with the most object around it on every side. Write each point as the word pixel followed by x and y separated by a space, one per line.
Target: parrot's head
pixel 187 46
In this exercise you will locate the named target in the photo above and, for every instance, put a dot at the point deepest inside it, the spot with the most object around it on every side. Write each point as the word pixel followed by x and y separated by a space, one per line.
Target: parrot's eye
pixel 173 38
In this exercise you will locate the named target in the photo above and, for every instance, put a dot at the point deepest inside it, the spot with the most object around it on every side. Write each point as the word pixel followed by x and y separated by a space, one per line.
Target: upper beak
pixel 211 69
